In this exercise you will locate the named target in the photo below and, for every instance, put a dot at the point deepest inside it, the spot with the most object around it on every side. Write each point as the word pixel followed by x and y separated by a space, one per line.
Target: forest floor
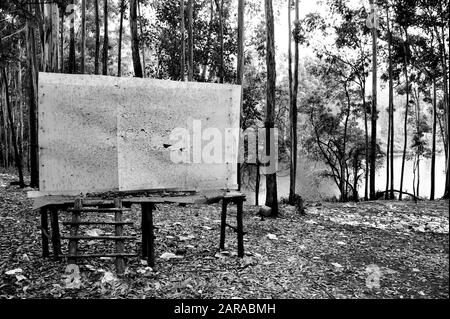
pixel 383 249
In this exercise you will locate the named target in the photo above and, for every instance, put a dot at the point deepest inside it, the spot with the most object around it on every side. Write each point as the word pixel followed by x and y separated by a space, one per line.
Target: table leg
pixel 223 224
pixel 240 229
pixel 144 230
pixel 44 232
pixel 150 244
pixel 56 237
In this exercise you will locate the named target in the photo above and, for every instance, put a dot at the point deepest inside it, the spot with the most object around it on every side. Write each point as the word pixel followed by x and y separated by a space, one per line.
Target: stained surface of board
pixel 100 133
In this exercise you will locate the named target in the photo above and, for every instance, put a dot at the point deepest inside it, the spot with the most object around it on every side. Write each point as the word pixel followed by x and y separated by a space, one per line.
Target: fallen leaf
pixel 169 256
pixel 13 271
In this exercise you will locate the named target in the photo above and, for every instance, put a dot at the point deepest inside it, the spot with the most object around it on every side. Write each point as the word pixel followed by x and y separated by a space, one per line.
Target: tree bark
pixel 17 154
pixel 294 114
pixel 240 72
pixel 271 178
pixel 134 40
pixel 105 38
pixel 219 5
pixel 83 36
pixel 97 38
pixel 405 129
pixel 433 144
pixel 390 153
pixel 119 53
pixel 190 41
pixel 183 42
pixel 61 44
pixel 141 33
pixel 32 108
pixel 72 67
pixel 373 143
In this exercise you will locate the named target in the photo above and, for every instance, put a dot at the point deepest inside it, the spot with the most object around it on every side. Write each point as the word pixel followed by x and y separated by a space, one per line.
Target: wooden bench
pixel 52 204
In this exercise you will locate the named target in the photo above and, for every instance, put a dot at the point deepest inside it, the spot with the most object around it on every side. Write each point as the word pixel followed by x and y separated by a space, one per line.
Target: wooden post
pixel 120 245
pixel 223 224
pixel 144 230
pixel 73 243
pixel 44 232
pixel 56 237
pixel 147 210
pixel 240 228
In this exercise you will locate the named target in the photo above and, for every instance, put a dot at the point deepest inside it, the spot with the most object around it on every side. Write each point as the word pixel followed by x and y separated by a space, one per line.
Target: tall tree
pixel 32 107
pixel 293 112
pixel 390 149
pixel 135 40
pixel 61 40
pixel 405 18
pixel 190 41
pixel 141 33
pixel 119 53
pixel 72 39
pixel 219 5
pixel 433 143
pixel 17 153
pixel 105 38
pixel 240 70
pixel 183 42
pixel 97 38
pixel 271 177
pixel 83 36
pixel 374 112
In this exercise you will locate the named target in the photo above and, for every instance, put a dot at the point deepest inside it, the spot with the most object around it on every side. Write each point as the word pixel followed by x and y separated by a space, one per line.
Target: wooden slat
pixel 98 223
pixel 73 244
pixel 98 210
pixel 98 237
pixel 112 255
pixel 118 232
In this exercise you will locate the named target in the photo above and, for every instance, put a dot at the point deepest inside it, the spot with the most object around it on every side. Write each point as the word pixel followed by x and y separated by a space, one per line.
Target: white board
pixel 100 133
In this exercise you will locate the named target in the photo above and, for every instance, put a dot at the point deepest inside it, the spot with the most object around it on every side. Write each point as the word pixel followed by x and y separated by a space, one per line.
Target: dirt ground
pixel 384 249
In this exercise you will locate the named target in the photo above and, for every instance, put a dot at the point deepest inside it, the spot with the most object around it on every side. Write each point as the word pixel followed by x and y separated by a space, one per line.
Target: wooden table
pixel 52 204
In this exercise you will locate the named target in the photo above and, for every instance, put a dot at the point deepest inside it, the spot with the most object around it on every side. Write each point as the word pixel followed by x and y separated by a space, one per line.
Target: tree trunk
pixel 72 67
pixel 258 172
pixel 17 155
pixel 105 38
pixel 183 42
pixel 32 109
pixel 119 53
pixel 97 38
pixel 134 40
pixel 373 143
pixel 219 5
pixel 240 72
pixel 271 178
pixel 190 41
pixel 446 101
pixel 366 136
pixel 61 44
pixel 390 155
pixel 419 134
pixel 141 33
pixel 83 36
pixel 405 129
pixel 294 115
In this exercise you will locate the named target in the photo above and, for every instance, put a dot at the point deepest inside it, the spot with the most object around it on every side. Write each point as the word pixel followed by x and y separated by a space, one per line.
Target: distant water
pixel 313 187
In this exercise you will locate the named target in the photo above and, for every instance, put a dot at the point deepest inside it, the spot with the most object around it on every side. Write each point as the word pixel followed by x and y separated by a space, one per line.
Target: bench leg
pixel 223 224
pixel 149 240
pixel 56 237
pixel 44 232
pixel 240 229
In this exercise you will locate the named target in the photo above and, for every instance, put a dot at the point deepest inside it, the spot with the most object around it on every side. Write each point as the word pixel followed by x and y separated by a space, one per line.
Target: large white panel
pixel 102 133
